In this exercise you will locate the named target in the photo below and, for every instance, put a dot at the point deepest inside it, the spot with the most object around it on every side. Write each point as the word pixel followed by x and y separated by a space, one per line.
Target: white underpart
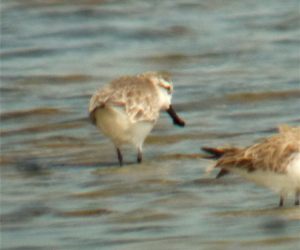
pixel 115 123
pixel 283 184
pixel 294 170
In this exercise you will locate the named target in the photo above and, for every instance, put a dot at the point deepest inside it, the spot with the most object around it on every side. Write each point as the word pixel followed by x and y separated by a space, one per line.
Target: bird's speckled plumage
pixel 271 154
pixel 127 108
pixel 139 95
pixel 274 162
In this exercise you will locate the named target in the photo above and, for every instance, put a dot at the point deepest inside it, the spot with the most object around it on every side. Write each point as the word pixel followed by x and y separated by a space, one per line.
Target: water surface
pixel 235 68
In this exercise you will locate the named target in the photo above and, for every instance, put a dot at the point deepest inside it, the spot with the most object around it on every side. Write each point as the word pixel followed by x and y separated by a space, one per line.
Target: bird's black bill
pixel 176 119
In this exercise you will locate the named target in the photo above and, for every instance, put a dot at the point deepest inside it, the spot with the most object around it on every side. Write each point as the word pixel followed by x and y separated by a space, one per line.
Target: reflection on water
pixel 235 67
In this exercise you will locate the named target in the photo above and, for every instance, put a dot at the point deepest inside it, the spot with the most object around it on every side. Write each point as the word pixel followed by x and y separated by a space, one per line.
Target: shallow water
pixel 235 67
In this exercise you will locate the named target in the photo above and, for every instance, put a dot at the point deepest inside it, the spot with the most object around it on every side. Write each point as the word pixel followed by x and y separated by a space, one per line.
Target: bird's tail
pixel 216 154
pixel 213 153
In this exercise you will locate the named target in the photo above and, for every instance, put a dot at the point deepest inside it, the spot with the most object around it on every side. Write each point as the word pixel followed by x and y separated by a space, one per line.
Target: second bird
pixel 126 109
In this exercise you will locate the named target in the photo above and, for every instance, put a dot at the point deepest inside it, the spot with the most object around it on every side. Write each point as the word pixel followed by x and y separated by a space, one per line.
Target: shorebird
pixel 273 163
pixel 127 108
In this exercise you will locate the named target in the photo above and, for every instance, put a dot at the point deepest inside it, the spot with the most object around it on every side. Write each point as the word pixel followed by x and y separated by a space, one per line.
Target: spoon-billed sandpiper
pixel 127 108
pixel 273 163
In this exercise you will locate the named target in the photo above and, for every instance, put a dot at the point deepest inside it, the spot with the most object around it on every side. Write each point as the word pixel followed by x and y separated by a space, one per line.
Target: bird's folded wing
pixel 138 97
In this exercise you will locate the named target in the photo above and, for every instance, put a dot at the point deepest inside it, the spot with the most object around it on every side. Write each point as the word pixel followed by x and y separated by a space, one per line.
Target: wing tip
pixel 212 153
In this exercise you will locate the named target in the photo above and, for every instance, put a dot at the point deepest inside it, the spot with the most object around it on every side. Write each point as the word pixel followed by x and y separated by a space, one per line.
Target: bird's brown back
pixel 137 94
pixel 273 153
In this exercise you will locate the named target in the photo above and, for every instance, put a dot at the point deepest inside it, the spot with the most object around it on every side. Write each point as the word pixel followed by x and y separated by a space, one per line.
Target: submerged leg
pixel 176 119
pixel 139 155
pixel 120 157
pixel 281 200
pixel 297 198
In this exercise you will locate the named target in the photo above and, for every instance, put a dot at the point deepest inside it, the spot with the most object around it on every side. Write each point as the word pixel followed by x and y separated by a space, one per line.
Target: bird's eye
pixel 166 86
pixel 169 89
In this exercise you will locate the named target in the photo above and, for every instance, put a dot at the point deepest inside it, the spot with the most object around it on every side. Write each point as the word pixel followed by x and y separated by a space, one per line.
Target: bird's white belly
pixel 115 124
pixel 279 183
pixel 294 170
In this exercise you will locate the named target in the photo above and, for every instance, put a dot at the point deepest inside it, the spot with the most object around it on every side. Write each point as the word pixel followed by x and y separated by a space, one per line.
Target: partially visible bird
pixel 273 163
pixel 127 108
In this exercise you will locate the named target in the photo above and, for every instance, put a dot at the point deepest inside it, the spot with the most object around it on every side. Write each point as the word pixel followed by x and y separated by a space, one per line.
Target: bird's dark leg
pixel 297 198
pixel 176 119
pixel 281 201
pixel 120 157
pixel 139 155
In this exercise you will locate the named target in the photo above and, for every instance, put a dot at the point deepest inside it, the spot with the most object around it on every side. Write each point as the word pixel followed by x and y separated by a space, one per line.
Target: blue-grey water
pixel 236 71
